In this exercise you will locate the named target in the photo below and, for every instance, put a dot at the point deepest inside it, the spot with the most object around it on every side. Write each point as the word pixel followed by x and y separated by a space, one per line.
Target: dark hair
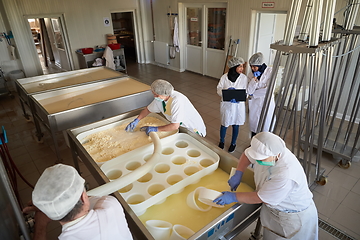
pixel 70 216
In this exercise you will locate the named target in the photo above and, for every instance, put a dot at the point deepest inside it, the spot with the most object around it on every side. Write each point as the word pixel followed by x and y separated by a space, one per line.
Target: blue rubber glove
pixel 131 126
pixel 235 180
pixel 233 100
pixel 226 198
pixel 257 73
pixel 148 129
pixel 231 88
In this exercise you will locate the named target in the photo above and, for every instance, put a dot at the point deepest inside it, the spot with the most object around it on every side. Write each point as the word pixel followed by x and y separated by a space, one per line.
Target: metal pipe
pixel 292 21
pixel 346 73
pixel 336 88
pixel 305 26
pixel 5 182
pixel 351 15
pixel 328 21
pixel 269 92
pixel 315 25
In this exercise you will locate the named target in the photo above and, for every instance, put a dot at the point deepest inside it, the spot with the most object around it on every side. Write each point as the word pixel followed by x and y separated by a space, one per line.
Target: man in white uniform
pixel 59 195
pixel 175 106
pixel 259 79
pixel 288 210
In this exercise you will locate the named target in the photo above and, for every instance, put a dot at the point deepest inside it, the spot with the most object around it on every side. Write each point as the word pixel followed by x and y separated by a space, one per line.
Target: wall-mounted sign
pixel 106 22
pixel 268 4
pixel 193 19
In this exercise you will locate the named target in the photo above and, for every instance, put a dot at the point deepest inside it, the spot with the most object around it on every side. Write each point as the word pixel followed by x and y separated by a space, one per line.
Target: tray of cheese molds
pixel 183 161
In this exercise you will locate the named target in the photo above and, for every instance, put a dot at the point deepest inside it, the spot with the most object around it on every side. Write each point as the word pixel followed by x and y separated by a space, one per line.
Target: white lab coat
pixel 179 109
pixel 258 89
pixel 105 220
pixel 284 188
pixel 232 113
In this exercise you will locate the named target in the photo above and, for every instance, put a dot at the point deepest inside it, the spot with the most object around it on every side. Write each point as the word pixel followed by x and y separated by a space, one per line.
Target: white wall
pixel 84 22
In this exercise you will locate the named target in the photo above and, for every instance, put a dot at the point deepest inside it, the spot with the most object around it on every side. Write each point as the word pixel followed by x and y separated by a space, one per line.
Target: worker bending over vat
pixel 175 106
pixel 59 195
pixel 288 210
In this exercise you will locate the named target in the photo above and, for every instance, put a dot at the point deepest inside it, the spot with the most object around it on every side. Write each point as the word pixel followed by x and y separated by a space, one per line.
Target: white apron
pixel 295 226
pixel 280 225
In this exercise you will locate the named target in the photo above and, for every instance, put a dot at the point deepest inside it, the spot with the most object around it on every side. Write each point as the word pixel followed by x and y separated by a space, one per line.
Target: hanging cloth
pixel 176 35
pixel 109 57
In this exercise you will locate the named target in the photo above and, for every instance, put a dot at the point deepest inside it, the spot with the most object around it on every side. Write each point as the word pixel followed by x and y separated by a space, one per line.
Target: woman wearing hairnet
pixel 257 87
pixel 288 210
pixel 175 106
pixel 232 112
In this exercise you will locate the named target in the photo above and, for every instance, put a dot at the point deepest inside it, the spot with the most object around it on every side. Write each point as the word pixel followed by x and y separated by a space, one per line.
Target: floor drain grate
pixel 334 231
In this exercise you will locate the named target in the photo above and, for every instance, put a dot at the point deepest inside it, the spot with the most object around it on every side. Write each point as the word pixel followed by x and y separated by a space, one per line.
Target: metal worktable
pixel 87 103
pixel 44 83
pixel 225 226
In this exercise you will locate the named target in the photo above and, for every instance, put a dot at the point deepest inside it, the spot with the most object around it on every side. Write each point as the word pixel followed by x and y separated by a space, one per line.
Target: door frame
pixel 255 28
pixel 64 33
pixel 183 35
pixel 138 45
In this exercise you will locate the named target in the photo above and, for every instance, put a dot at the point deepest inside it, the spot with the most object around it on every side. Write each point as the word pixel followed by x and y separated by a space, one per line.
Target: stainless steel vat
pixel 227 225
pixel 87 103
pixel 44 83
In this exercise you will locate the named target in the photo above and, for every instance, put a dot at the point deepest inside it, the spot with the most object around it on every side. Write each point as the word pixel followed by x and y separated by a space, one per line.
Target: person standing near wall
pixel 259 80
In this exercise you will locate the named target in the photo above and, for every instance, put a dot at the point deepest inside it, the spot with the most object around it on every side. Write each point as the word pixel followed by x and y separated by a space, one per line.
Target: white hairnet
pixel 57 191
pixel 235 61
pixel 257 59
pixel 162 87
pixel 264 145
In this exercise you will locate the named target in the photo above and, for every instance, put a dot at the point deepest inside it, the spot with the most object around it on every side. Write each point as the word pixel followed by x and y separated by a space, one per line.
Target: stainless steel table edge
pixel 137 228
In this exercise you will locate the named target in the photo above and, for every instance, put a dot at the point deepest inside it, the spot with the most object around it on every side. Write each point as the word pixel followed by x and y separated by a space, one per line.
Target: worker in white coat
pixel 232 112
pixel 288 210
pixel 175 106
pixel 59 195
pixel 259 78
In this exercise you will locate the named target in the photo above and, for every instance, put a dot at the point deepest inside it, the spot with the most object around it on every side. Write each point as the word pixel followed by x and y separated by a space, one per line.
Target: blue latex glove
pixel 226 198
pixel 233 100
pixel 257 73
pixel 235 180
pixel 148 129
pixel 231 88
pixel 131 126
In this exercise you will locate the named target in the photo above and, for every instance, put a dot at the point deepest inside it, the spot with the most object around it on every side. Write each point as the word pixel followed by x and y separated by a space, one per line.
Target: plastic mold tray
pixel 183 161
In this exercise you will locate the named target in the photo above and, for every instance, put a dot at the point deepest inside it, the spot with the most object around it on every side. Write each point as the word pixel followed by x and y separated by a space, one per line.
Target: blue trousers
pixel 235 133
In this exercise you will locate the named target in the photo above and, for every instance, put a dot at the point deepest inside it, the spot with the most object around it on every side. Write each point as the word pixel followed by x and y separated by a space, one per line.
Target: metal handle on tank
pixel 125 180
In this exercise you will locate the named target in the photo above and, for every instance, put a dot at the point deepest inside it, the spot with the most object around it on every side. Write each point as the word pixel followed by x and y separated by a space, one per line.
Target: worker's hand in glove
pixel 231 88
pixel 257 73
pixel 233 100
pixel 131 126
pixel 148 129
pixel 226 198
pixel 235 180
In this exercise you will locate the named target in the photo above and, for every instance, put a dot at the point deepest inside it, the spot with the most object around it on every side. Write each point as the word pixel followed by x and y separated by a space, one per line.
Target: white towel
pixel 109 57
pixel 176 35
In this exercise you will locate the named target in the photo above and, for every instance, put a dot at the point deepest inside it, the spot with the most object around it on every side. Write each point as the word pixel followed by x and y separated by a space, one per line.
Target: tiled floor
pixel 337 201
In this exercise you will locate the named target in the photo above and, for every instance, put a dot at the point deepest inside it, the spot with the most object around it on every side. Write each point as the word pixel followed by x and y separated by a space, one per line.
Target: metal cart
pixel 226 226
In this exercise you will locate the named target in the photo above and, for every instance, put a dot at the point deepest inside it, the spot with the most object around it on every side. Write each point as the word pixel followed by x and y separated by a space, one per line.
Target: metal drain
pixel 334 231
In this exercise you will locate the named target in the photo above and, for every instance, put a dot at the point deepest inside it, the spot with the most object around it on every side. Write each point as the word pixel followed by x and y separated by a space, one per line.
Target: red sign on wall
pixel 268 4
